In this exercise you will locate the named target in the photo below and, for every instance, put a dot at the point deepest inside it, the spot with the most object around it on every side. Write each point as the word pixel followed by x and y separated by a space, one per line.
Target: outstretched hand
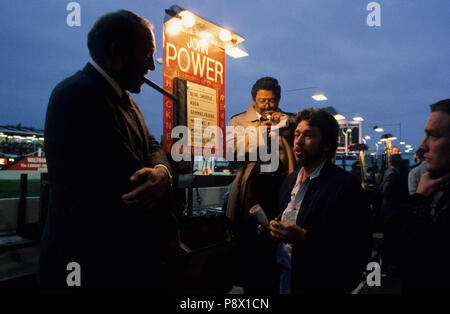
pixel 153 183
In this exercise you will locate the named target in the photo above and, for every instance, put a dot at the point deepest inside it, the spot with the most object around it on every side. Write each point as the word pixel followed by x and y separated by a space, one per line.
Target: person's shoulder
pixel 341 177
pixel 239 118
pixel 66 89
pixel 237 115
pixel 293 175
pixel 79 83
pixel 391 172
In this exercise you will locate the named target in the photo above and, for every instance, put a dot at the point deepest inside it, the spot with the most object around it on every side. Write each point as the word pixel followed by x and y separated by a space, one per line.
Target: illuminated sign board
pixel 194 51
pixel 31 163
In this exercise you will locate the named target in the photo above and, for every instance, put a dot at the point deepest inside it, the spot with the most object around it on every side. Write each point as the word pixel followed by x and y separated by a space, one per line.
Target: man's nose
pixel 424 145
pixel 151 63
pixel 298 141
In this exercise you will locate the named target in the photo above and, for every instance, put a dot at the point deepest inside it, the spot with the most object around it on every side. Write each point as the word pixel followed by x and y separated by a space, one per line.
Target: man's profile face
pixel 265 102
pixel 395 150
pixel 436 144
pixel 139 62
pixel 308 144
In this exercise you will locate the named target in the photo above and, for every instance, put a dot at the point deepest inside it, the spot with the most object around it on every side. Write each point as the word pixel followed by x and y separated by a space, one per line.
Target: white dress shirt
pixel 284 250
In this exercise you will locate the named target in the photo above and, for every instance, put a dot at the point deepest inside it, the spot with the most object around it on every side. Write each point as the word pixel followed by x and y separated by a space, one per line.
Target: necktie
pixel 126 99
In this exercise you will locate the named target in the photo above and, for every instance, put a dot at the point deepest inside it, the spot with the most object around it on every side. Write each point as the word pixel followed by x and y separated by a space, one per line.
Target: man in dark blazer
pixel 394 187
pixel 417 236
pixel 324 234
pixel 108 175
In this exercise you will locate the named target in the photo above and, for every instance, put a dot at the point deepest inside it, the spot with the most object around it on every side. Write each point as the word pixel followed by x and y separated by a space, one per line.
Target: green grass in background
pixel 11 188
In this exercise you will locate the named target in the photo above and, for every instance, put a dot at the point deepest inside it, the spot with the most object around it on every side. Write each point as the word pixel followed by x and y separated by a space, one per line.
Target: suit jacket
pixel 417 242
pixel 394 190
pixel 94 142
pixel 337 246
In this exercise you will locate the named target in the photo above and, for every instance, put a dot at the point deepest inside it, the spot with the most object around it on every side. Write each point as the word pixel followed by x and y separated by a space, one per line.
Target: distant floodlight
pixel 338 116
pixel 319 96
pixel 402 143
pixel 367 137
pixel 358 118
pixel 378 129
pixel 387 136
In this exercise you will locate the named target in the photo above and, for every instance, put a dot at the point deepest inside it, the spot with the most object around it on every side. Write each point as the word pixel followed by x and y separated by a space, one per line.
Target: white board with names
pixel 201 104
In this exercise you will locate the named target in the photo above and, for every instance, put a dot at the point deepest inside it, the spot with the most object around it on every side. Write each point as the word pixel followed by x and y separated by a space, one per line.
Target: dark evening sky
pixel 389 74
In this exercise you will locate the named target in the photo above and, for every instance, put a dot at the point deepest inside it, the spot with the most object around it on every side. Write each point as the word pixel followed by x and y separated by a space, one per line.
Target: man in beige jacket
pixel 253 185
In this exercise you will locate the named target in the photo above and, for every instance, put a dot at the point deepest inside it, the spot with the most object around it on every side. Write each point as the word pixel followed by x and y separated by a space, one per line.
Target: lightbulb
pixel 174 26
pixel 188 19
pixel 225 35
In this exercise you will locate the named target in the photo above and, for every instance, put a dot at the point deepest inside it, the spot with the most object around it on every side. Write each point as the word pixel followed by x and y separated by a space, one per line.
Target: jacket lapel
pixel 307 208
pixel 118 106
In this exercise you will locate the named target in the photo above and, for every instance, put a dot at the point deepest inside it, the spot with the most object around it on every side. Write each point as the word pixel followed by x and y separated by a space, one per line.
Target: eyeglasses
pixel 262 101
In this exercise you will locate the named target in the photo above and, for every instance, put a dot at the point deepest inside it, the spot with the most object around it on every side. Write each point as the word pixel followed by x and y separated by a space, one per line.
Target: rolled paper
pixel 260 216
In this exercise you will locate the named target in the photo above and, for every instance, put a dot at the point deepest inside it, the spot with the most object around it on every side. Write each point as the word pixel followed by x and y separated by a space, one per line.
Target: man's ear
pixel 326 147
pixel 117 55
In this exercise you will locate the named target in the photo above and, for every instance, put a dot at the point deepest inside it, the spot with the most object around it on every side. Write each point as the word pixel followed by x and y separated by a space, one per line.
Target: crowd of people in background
pixel 22 148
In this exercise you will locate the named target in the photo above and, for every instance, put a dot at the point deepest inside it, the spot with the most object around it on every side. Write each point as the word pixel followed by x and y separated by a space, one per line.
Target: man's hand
pixel 286 231
pixel 275 117
pixel 153 183
pixel 428 185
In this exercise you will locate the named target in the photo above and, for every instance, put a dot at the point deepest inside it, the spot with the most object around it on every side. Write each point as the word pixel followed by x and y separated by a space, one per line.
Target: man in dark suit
pixel 108 175
pixel 417 236
pixel 394 187
pixel 323 231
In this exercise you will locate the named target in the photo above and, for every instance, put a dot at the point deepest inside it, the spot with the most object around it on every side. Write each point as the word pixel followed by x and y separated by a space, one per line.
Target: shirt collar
pixel 110 80
pixel 315 173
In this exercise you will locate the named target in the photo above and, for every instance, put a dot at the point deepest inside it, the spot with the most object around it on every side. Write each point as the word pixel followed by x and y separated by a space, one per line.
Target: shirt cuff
pixel 168 172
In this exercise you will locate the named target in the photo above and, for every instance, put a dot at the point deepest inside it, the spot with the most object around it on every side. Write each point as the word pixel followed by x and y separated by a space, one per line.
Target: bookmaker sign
pixel 200 65
pixel 201 104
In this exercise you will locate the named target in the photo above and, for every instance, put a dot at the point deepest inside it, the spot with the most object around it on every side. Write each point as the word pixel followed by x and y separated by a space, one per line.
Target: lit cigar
pixel 159 88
